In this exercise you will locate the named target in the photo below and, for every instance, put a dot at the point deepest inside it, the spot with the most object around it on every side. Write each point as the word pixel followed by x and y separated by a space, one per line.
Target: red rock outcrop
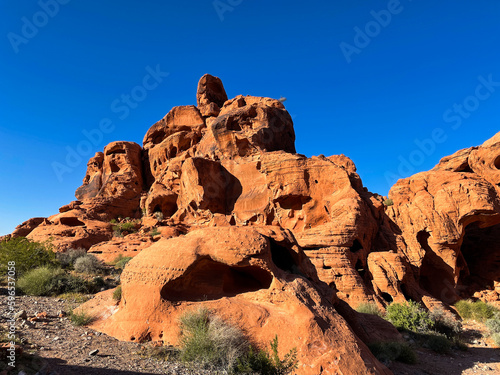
pixel 262 282
pixel 450 220
pixel 114 182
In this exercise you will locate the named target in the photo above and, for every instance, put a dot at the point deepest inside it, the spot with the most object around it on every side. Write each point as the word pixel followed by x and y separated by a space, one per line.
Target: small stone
pixel 21 315
pixel 93 352
pixel 55 338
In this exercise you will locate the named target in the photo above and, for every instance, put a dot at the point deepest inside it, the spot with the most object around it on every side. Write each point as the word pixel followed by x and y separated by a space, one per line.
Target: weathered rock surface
pixel 263 283
pixel 210 96
pixel 114 182
pixel 450 220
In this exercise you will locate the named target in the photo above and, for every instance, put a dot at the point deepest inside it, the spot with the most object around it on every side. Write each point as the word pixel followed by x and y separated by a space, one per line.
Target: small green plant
pixel 370 308
pixel 445 323
pixel 87 264
pixel 478 310
pixel 121 228
pixel 261 362
pixel 496 338
pixel 438 343
pixel 393 351
pixel 212 343
pixel 388 202
pixel 46 281
pixel 27 254
pixel 122 262
pixel 67 259
pixel 38 282
pixel 158 215
pixel 493 325
pixel 154 232
pixel 81 318
pixel 409 316
pixel 117 293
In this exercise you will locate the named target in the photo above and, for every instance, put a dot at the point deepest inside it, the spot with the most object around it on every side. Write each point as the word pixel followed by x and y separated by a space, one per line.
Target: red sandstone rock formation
pixel 450 220
pixel 259 279
pixel 232 164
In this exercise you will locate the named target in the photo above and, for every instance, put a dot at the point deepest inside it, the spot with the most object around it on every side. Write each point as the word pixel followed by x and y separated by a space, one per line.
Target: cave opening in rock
pixel 210 280
pixel 481 252
pixel 360 268
pixel 356 246
pixel 387 297
pixel 465 168
pixel 282 258
pixel 292 202
pixel 436 277
pixel 496 163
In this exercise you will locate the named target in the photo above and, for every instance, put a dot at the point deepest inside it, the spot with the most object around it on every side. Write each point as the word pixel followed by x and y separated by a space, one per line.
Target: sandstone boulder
pixel 210 96
pixel 259 283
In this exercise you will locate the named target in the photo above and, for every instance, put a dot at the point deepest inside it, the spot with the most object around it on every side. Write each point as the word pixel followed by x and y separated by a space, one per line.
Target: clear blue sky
pixel 408 78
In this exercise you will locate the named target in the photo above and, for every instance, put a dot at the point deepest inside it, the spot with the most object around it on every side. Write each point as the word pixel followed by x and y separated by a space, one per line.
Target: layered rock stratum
pixel 273 241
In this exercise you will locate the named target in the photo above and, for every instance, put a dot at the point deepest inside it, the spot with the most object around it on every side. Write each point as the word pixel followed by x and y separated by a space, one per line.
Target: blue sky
pixel 394 85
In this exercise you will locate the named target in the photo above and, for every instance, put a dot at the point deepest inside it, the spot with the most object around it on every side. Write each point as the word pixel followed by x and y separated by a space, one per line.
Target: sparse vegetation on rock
pixel 370 308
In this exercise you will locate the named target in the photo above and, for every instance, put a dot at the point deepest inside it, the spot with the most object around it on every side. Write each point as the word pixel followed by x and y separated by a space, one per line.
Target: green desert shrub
pixel 493 325
pixel 117 293
pixel 68 258
pixel 409 316
pixel 478 310
pixel 46 281
pixel 127 227
pixel 370 308
pixel 393 351
pixel 88 264
pixel 38 282
pixel 437 342
pixel 154 232
pixel 80 318
pixel 496 338
pixel 388 202
pixel 122 262
pixel 261 362
pixel 27 255
pixel 445 323
pixel 212 343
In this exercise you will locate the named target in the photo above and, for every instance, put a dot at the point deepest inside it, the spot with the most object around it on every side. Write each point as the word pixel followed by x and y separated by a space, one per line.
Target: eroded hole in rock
pixel 436 277
pixel 356 246
pixel 496 163
pixel 233 124
pixel 465 168
pixel 387 297
pixel 360 268
pixel 71 222
pixel 210 280
pixel 327 267
pixel 282 258
pixel 114 167
pixel 481 252
pixel 116 151
pixel 292 202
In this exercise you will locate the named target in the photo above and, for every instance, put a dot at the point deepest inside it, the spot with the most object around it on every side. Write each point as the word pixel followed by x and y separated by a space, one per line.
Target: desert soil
pixel 54 346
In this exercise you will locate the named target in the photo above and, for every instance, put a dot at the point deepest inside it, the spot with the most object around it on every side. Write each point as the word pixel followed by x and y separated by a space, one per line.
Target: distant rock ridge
pixel 262 231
